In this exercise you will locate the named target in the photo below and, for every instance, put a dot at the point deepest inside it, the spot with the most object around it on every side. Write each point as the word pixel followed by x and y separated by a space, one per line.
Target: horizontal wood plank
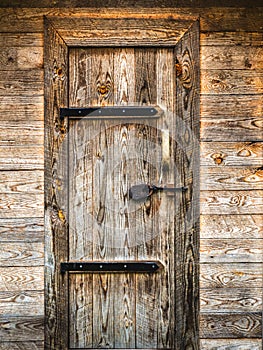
pixel 22 254
pixel 27 345
pixel 22 303
pixel 230 300
pixel 240 227
pixel 15 58
pixel 231 344
pixel 231 250
pixel 22 82
pixel 234 81
pixel 231 325
pixel 29 157
pixel 234 275
pixel 230 178
pixel 231 202
pixel 22 181
pixel 13 133
pixel 233 154
pixel 21 205
pixel 231 38
pixel 232 57
pixel 21 278
pixel 212 19
pixel 22 230
pixel 22 40
pixel 234 128
pixel 22 111
pixel 227 106
pixel 26 328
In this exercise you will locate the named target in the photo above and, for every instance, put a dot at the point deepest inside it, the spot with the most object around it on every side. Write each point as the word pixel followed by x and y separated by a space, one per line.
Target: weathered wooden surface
pixel 115 295
pixel 231 202
pixel 232 154
pixel 220 325
pixel 22 254
pixel 21 278
pixel 21 182
pixel 225 118
pixel 22 303
pixel 231 300
pixel 21 134
pixel 22 157
pixel 28 345
pixel 234 275
pixel 230 178
pixel 234 250
pixel 231 226
pixel 231 344
pixel 56 284
pixel 216 19
pixel 22 230
pixel 14 58
pixel 21 328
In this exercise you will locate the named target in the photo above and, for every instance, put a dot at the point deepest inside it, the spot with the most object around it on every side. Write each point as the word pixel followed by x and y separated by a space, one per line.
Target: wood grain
pixel 230 178
pixel 27 83
pixel 235 106
pixel 56 245
pixel 231 202
pixel 22 254
pixel 230 300
pixel 22 157
pixel 231 325
pixel 22 303
pixel 240 227
pixel 234 81
pixel 21 205
pixel 22 328
pixel 23 110
pixel 232 57
pixel 21 133
pixel 236 128
pixel 30 20
pixel 246 154
pixel 21 278
pixel 231 344
pixel 16 58
pixel 187 204
pixel 224 38
pixel 234 275
pixel 22 182
pixel 234 250
pixel 22 40
pixel 38 345
pixel 22 230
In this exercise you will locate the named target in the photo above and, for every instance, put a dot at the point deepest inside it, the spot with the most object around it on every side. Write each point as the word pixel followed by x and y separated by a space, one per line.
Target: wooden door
pixel 101 157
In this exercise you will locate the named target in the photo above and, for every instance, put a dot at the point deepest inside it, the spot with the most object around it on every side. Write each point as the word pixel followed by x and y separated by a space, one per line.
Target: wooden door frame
pixel 137 29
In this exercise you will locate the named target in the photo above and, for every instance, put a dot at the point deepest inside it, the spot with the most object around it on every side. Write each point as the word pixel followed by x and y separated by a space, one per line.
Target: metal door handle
pixel 143 191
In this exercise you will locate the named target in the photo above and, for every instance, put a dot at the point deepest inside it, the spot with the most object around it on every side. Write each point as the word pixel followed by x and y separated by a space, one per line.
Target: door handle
pixel 143 191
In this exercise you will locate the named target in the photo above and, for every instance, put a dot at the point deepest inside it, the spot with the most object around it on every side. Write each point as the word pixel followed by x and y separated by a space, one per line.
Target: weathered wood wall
pixel 231 176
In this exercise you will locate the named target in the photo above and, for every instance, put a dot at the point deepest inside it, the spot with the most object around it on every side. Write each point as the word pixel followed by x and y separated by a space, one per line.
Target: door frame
pixel 84 30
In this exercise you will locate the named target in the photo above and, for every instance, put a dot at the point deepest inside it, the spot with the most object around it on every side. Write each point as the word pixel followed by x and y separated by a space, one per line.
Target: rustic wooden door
pixel 117 232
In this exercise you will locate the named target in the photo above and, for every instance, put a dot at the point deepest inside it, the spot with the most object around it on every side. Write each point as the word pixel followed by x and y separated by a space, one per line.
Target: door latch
pixel 143 191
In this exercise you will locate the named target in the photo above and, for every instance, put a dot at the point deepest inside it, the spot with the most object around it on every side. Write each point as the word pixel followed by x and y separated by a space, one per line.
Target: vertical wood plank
pixel 103 284
pixel 56 285
pixel 122 175
pixel 147 286
pixel 80 201
pixel 187 161
pixel 165 99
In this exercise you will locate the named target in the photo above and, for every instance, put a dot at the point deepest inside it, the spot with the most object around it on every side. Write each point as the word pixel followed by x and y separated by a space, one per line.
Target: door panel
pixel 107 157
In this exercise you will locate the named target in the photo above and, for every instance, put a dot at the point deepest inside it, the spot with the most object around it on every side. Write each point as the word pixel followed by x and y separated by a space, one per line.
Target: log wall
pixel 231 261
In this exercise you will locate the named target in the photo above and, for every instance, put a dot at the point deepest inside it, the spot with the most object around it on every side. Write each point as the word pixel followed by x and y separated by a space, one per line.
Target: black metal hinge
pixel 104 267
pixel 112 112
